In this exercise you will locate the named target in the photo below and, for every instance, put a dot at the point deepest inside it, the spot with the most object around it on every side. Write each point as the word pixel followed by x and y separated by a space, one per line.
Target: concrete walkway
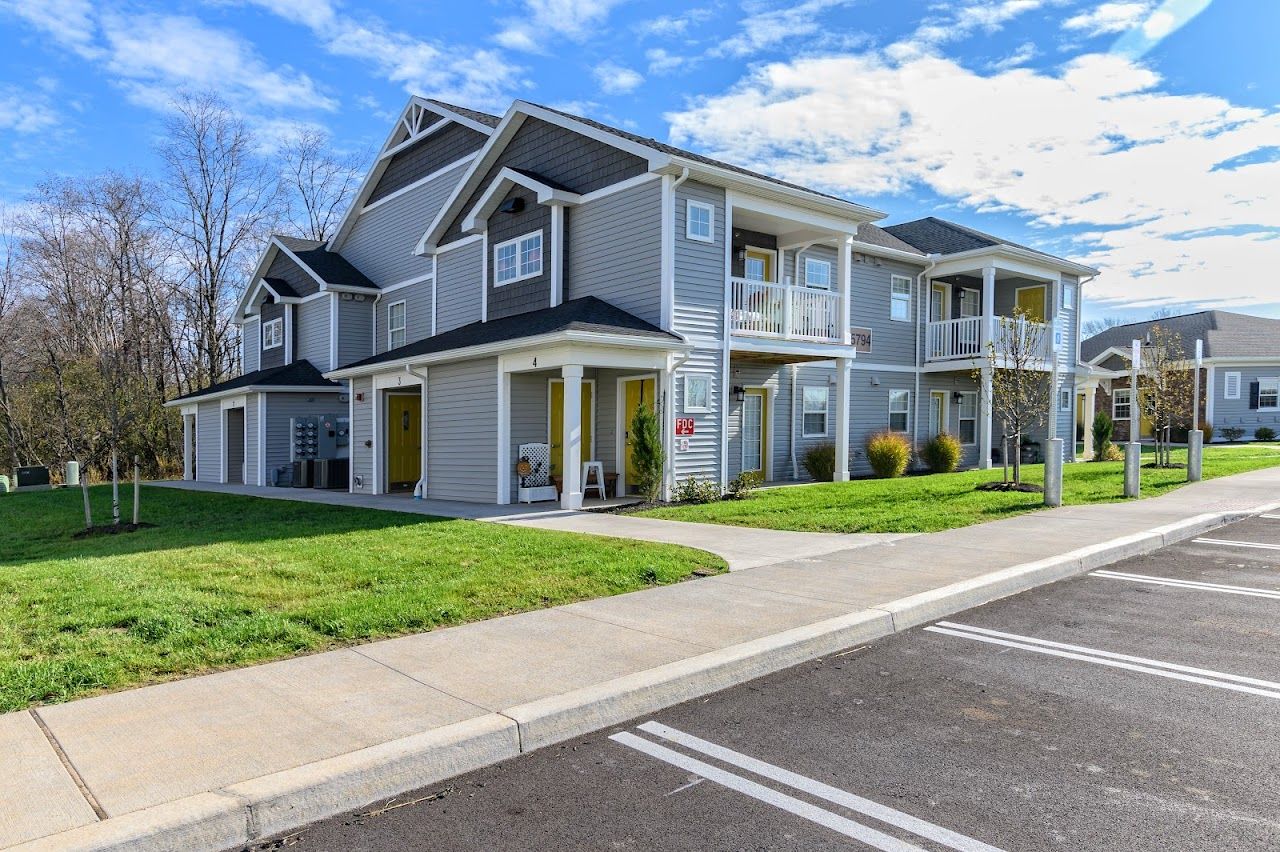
pixel 740 547
pixel 210 762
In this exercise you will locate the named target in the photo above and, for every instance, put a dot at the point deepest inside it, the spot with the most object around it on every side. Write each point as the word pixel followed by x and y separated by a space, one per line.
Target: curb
pixel 249 811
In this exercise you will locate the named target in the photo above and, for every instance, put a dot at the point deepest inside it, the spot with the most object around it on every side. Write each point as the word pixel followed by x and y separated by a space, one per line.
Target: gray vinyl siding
pixel 560 155
pixel 427 156
pixel 614 249
pixel 355 329
pixel 282 407
pixel 528 415
pixel 533 293
pixel 1236 412
pixel 362 431
pixel 311 332
pixel 892 342
pixel 756 374
pixel 382 241
pixel 790 274
pixel 417 313
pixel 209 442
pixel 251 334
pixel 272 357
pixel 458 287
pixel 699 317
pixel 235 423
pixel 949 383
pixel 462 431
pixel 251 448
pixel 302 281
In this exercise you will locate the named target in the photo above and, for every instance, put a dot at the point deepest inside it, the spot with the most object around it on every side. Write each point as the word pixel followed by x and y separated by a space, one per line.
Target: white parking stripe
pixel 1270 517
pixel 927 830
pixel 1229 543
pixel 1093 657
pixel 1188 584
pixel 759 792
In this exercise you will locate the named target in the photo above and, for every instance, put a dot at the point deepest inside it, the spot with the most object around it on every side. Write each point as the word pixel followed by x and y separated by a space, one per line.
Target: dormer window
pixel 518 259
pixel 273 334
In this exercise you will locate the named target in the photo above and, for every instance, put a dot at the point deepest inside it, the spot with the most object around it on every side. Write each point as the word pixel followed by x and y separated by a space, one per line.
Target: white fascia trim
pixel 351 288
pixel 779 346
pixel 457 244
pixel 307 269
pixel 411 139
pixel 440 172
pixel 1241 361
pixel 264 263
pixel 759 186
pixel 1123 352
pixel 506 347
pixel 1035 257
pixel 891 253
pixel 430 276
pixel 477 219
pixel 248 389
pixel 322 294
pixel 620 186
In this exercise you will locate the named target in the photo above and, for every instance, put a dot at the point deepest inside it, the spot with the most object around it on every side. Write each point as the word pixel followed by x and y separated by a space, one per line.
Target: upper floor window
pixel 273 334
pixel 815 412
pixel 396 325
pixel 1064 399
pixel 899 410
pixel 1068 297
pixel 1121 404
pixel 518 259
pixel 1269 393
pixel 969 299
pixel 1230 385
pixel 817 273
pixel 698 221
pixel 900 299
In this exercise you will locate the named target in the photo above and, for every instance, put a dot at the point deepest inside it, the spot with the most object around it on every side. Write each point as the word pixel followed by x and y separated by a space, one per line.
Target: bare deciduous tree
pixel 317 184
pixel 1020 387
pixel 1164 387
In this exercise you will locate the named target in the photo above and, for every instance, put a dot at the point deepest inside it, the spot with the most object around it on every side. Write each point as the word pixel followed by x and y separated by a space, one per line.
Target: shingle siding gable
pixel 426 157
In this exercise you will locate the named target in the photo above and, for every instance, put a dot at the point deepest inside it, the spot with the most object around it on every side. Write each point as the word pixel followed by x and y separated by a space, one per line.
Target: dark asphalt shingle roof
pixel 281 288
pixel 300 374
pixel 877 236
pixel 1225 335
pixel 586 314
pixel 473 114
pixel 938 236
pixel 330 266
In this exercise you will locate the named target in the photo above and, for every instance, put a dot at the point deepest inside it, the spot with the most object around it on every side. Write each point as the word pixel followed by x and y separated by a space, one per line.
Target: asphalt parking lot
pixel 1134 708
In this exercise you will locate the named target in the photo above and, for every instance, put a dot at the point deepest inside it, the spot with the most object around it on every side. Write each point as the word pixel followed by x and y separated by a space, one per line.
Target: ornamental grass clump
pixel 888 453
pixel 942 453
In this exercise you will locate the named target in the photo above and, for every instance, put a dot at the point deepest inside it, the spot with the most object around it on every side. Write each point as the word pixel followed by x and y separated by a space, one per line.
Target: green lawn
pixel 944 501
pixel 224 581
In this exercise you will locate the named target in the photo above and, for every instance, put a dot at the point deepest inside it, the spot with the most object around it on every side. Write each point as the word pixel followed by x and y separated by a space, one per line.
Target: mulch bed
pixel 112 529
pixel 1154 466
pixel 1029 487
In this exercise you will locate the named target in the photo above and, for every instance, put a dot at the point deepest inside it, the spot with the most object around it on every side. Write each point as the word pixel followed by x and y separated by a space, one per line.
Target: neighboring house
pixel 536 277
pixel 1239 382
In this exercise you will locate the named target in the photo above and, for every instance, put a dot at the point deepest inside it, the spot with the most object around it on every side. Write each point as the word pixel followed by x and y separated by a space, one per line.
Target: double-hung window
pixel 1230 385
pixel 969 306
pixel 899 410
pixel 1068 297
pixel 395 325
pixel 518 259
pixel 967 417
pixel 1269 393
pixel 273 334
pixel 815 412
pixel 1121 404
pixel 900 299
pixel 1064 399
pixel 699 219
pixel 817 273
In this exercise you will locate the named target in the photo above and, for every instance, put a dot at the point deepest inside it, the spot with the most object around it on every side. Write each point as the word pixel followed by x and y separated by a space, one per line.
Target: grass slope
pixel 944 501
pixel 224 581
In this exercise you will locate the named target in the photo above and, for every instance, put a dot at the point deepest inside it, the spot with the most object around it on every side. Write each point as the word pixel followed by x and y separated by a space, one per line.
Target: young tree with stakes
pixel 1020 387
pixel 1165 388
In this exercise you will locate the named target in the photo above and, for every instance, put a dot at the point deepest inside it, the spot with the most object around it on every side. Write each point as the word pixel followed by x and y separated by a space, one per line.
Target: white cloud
pixel 1026 52
pixel 663 62
pixel 1171 16
pixel 615 79
pixel 72 23
pixel 542 21
pixel 1095 146
pixel 767 27
pixel 1107 18
pixel 959 22
pixel 673 26
pixel 23 113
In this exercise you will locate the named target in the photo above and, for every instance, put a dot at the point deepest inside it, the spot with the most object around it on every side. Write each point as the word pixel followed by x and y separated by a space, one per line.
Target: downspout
pixel 923 309
pixel 420 487
pixel 795 471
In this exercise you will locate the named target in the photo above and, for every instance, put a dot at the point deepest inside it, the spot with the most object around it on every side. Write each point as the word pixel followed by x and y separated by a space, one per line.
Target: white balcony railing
pixel 794 313
pixel 962 338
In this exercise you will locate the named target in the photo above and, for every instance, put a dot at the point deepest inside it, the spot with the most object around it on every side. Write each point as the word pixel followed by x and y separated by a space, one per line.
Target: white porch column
pixel 845 266
pixel 984 421
pixel 571 456
pixel 987 332
pixel 988 307
pixel 187 472
pixel 842 419
pixel 1090 404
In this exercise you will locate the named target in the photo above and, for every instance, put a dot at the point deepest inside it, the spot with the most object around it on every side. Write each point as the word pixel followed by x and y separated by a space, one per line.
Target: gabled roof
pixel 300 374
pixel 932 235
pixel 587 315
pixel 328 266
pixel 280 288
pixel 877 236
pixel 473 114
pixel 1225 334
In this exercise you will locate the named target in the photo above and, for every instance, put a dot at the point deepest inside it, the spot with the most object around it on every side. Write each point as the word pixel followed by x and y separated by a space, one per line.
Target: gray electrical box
pixel 327 436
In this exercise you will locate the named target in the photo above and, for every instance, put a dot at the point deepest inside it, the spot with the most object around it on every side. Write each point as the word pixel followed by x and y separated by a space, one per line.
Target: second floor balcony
pixel 766 309
pixel 962 339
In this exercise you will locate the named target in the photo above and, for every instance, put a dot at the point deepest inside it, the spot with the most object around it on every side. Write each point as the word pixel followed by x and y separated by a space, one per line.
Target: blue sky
pixel 1142 136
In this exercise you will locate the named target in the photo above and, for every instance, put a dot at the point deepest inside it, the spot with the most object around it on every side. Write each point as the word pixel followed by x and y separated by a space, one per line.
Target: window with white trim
pixel 967 418
pixel 1068 297
pixel 518 259
pixel 899 410
pixel 1230 385
pixel 1268 393
pixel 697 393
pixel 969 302
pixel 273 334
pixel 1064 399
pixel 814 416
pixel 1121 404
pixel 699 221
pixel 395 325
pixel 900 298
pixel 817 273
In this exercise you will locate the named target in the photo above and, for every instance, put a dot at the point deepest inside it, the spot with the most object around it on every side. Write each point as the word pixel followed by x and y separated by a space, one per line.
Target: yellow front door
pixel 755 430
pixel 556 438
pixel 635 392
pixel 1031 301
pixel 758 265
pixel 404 441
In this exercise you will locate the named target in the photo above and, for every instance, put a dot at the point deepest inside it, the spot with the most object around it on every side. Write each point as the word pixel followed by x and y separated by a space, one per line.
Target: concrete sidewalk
pixel 212 762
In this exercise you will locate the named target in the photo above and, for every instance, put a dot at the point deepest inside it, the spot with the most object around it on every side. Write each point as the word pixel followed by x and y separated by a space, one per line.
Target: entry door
pixel 1031 301
pixel 556 424
pixel 755 430
pixel 635 393
pixel 758 265
pixel 235 445
pixel 938 303
pixel 404 441
pixel 938 412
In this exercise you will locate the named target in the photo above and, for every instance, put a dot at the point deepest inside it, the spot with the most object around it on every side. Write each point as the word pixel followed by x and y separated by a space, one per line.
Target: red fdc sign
pixel 684 426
